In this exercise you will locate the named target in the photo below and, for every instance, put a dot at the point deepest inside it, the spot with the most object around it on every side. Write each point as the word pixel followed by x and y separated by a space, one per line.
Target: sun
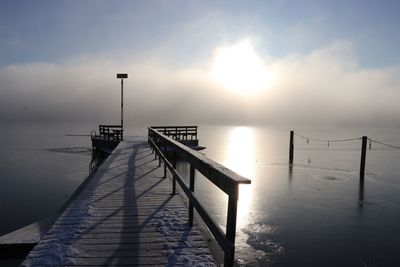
pixel 238 68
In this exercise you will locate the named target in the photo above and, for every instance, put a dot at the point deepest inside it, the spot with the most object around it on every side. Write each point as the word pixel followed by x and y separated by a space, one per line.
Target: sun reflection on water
pixel 241 158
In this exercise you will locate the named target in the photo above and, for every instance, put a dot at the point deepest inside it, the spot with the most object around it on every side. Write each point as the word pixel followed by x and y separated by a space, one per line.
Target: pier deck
pixel 124 216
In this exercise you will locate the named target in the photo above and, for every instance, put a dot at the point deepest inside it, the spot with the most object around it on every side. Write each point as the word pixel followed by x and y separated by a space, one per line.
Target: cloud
pixel 326 86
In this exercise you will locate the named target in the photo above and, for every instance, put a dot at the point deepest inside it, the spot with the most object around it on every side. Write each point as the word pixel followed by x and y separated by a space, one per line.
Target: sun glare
pixel 241 158
pixel 240 69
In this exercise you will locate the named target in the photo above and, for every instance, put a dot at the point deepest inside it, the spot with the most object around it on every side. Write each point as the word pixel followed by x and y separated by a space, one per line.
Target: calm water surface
pixel 39 168
pixel 315 214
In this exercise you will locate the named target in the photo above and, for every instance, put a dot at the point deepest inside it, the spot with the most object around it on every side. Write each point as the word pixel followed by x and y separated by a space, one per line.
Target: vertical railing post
pixel 165 155
pixel 158 144
pixel 191 187
pixel 363 157
pixel 173 176
pixel 150 137
pixel 291 149
pixel 231 224
pixel 165 169
pixel 161 152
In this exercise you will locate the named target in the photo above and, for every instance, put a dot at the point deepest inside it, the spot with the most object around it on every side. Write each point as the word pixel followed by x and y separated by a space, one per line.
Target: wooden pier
pixel 127 213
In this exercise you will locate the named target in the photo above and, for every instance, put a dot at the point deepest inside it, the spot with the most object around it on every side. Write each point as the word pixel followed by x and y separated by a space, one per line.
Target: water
pixel 315 214
pixel 39 168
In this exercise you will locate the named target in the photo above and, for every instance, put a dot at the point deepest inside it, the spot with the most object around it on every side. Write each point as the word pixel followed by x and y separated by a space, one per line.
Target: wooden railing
pixel 178 132
pixel 114 132
pixel 220 176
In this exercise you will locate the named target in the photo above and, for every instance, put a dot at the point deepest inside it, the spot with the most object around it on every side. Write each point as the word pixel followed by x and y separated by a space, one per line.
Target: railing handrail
pixel 215 172
pixel 225 179
pixel 173 127
pixel 176 129
pixel 178 132
pixel 110 125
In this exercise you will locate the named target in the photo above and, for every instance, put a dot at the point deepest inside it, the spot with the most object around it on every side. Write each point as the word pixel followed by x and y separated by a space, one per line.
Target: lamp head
pixel 122 75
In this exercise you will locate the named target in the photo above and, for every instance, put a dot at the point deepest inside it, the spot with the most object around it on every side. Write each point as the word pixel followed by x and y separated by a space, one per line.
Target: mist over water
pixel 324 87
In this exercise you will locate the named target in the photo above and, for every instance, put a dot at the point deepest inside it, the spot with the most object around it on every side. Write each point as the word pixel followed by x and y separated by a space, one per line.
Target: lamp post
pixel 122 76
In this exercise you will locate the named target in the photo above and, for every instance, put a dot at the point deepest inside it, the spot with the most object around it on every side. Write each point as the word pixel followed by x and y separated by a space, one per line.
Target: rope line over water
pixel 384 144
pixel 364 140
pixel 343 140
pixel 326 140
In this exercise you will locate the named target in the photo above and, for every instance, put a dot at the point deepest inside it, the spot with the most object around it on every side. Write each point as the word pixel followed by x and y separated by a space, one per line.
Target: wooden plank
pixel 124 261
pixel 128 253
pixel 135 240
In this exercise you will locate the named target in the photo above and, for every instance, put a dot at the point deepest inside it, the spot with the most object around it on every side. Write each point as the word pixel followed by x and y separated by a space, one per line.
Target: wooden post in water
pixel 191 187
pixel 291 149
pixel 363 156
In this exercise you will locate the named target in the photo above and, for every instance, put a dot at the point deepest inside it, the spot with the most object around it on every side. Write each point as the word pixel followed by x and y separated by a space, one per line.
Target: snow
pixel 191 249
pixel 55 248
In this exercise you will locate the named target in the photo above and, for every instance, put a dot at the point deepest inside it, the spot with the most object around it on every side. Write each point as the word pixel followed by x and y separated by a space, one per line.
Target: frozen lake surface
pixel 314 214
pixel 40 168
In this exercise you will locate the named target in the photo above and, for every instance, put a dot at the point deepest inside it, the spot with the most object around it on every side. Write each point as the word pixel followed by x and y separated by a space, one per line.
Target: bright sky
pixel 306 52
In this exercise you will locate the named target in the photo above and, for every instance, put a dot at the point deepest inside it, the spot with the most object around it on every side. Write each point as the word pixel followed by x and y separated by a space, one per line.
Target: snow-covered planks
pixel 125 216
